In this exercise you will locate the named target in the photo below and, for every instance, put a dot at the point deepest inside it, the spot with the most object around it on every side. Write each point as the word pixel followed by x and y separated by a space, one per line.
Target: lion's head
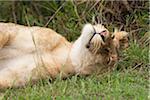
pixel 96 47
pixel 106 43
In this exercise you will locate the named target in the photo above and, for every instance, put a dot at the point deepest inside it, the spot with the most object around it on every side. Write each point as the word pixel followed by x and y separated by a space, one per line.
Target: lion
pixel 28 54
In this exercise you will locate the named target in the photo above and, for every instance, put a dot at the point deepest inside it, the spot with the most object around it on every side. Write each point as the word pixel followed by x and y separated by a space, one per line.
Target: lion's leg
pixel 17 72
pixel 9 78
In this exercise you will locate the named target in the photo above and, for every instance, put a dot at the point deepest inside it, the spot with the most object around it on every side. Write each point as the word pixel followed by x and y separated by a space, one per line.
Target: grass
pixel 130 79
pixel 116 85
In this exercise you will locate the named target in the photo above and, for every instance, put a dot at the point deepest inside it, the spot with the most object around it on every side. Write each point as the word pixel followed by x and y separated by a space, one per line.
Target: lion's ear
pixel 121 39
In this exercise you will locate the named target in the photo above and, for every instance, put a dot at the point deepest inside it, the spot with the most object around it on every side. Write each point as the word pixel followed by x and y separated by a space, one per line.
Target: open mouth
pixel 102 34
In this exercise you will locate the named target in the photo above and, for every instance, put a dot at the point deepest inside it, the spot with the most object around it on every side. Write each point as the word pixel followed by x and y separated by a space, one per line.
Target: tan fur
pixel 30 53
pixel 24 48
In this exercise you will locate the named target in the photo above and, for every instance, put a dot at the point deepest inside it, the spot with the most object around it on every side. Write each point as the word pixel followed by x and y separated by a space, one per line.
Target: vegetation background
pixel 129 80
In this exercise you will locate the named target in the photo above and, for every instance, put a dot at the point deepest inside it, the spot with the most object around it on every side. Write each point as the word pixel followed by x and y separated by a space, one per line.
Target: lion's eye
pixel 107 49
pixel 109 60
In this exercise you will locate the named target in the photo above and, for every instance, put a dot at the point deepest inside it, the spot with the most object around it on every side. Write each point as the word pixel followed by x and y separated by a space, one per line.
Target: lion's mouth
pixel 102 34
pixel 97 39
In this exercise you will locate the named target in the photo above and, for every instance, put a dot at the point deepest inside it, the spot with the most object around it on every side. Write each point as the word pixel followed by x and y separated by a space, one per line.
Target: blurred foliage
pixel 68 17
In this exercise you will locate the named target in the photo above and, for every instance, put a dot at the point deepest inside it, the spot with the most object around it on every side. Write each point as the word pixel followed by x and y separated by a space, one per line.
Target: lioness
pixel 30 53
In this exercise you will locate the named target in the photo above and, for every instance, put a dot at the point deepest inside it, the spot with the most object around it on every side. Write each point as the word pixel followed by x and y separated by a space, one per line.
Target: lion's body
pixel 30 53
pixel 23 49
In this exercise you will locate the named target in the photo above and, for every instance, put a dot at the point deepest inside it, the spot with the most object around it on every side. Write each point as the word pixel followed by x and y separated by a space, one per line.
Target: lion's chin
pixel 96 44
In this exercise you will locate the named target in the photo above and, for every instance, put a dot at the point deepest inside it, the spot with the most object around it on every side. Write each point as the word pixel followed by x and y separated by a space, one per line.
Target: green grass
pixel 130 79
pixel 116 85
